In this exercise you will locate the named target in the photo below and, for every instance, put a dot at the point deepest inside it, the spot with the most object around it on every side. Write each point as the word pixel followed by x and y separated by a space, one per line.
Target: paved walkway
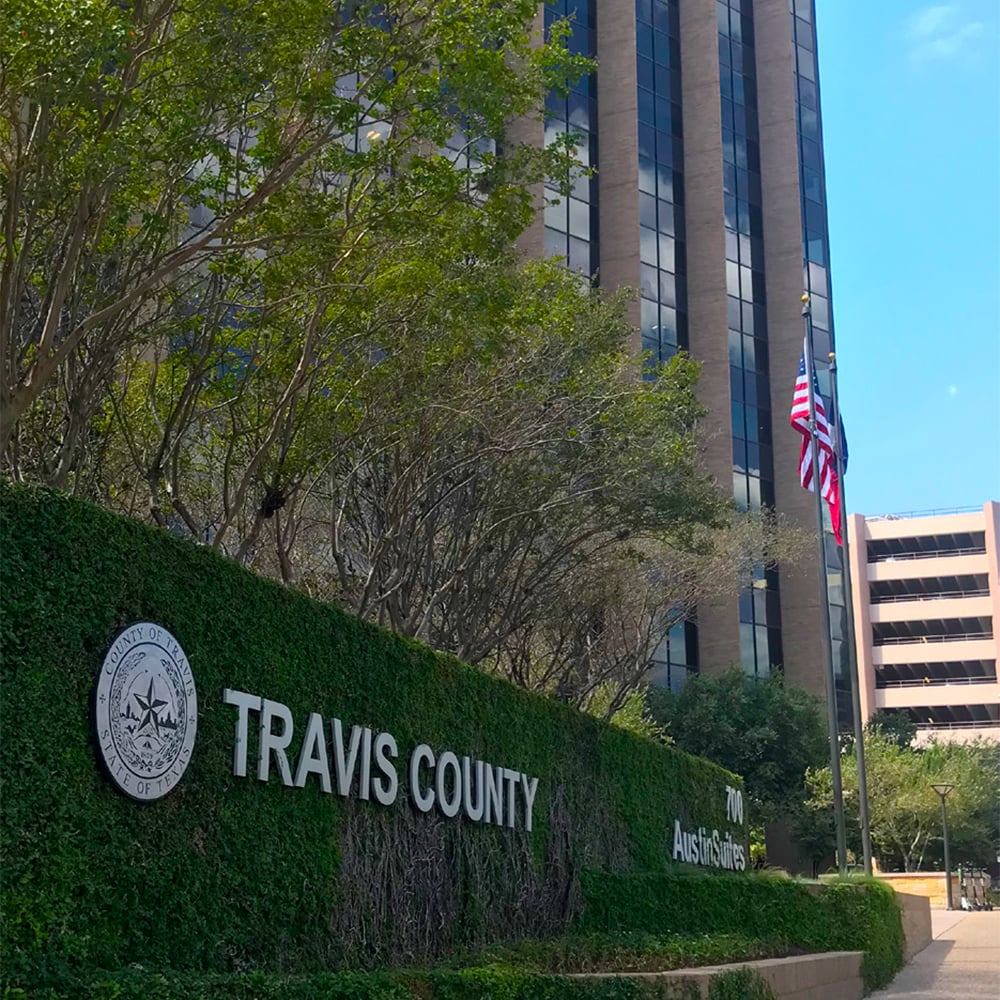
pixel 961 963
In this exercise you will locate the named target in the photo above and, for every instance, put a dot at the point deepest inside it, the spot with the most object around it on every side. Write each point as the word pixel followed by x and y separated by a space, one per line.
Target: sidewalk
pixel 961 963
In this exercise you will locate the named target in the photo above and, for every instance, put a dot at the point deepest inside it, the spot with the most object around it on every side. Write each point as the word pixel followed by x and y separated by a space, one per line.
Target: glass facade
pixel 571 223
pixel 816 281
pixel 662 248
pixel 750 392
pixel 663 309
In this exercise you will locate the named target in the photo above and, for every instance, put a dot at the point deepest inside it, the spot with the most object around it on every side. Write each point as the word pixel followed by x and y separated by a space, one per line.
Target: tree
pixel 514 492
pixel 898 727
pixel 633 715
pixel 905 812
pixel 260 287
pixel 768 733
pixel 159 156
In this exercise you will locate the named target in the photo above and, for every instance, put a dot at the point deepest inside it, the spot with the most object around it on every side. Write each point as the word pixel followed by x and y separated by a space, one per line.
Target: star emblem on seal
pixel 146 711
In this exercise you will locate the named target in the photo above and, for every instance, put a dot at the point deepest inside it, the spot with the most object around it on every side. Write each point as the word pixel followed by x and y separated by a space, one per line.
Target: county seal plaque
pixel 146 710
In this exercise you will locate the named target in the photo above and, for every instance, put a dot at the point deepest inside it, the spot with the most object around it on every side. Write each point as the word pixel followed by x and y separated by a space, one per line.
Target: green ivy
pixel 625 953
pixel 740 984
pixel 849 915
pixel 487 983
pixel 224 874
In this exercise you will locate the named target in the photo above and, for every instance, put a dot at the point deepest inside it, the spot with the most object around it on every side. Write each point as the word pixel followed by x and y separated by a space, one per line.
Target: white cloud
pixel 953 391
pixel 930 20
pixel 939 32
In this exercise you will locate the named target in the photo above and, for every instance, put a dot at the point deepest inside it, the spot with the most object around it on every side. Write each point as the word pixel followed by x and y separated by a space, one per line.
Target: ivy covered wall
pixel 229 872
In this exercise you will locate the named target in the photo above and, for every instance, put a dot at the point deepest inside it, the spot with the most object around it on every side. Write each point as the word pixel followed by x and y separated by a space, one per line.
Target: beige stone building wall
pixel 718 622
pixel 801 611
pixel 927 604
pixel 928 885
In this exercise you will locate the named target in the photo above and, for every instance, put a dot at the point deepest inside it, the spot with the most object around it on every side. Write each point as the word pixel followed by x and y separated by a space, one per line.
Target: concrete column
pixel 801 620
pixel 857 540
pixel 531 132
pixel 718 622
pixel 618 141
pixel 991 515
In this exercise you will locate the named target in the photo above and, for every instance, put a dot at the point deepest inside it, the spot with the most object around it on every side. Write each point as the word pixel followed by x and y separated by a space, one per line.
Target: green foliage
pixel 261 298
pixel 228 874
pixel 847 915
pixel 898 727
pixel 813 829
pixel 769 733
pixel 490 983
pixel 626 952
pixel 530 971
pixel 905 812
pixel 631 715
pixel 126 122
pixel 740 984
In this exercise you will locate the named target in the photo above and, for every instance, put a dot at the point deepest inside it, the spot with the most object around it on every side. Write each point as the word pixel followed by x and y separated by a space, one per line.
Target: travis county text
pixel 364 764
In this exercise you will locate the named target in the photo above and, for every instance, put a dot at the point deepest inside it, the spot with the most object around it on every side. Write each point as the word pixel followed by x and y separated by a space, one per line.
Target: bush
pixel 225 874
pixel 849 915
pixel 740 984
pixel 628 952
pixel 488 983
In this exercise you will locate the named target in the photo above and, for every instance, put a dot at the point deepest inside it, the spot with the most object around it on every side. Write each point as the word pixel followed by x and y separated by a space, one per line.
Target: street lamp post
pixel 943 790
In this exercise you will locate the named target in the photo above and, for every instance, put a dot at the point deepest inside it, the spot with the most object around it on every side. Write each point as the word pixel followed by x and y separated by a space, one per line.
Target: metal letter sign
pixel 146 710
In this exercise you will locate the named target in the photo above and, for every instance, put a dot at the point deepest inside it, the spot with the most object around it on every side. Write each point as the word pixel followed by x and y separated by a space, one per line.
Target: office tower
pixel 926 591
pixel 703 122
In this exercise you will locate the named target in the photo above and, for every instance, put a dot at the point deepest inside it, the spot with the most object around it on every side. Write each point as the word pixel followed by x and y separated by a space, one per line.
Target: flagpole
pixel 831 678
pixel 859 732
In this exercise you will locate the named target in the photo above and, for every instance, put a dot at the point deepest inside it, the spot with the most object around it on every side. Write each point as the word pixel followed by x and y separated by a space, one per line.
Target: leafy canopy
pixel 766 732
pixel 905 812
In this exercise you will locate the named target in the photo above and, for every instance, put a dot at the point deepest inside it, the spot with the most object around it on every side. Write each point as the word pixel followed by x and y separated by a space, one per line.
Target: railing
pixel 914 640
pixel 930 726
pixel 944 595
pixel 974 550
pixel 935 512
pixel 935 682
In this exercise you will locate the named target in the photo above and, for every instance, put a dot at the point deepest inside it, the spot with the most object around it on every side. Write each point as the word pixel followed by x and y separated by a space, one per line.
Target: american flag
pixel 829 486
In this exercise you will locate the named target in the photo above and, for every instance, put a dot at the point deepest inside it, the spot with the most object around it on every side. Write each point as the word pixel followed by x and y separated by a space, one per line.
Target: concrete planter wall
pixel 834 975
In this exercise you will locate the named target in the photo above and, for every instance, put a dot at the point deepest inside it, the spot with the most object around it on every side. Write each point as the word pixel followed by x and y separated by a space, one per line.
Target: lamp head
pixel 943 789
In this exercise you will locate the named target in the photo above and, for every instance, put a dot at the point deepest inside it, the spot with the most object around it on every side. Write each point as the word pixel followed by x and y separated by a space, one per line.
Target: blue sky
pixel 911 122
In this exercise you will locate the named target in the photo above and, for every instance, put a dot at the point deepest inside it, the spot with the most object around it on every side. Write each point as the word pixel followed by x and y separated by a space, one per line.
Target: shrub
pixel 740 984
pixel 488 983
pixel 850 915
pixel 628 952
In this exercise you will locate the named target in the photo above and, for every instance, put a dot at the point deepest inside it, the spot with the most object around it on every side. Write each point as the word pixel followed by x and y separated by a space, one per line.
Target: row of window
pixel 749 318
pixel 749 388
pixel 750 492
pixel 656 14
pixel 816 277
pixel 759 610
pixel 660 179
pixel 752 423
pixel 658 110
pixel 571 222
pixel 660 153
pixel 760 649
pixel 663 314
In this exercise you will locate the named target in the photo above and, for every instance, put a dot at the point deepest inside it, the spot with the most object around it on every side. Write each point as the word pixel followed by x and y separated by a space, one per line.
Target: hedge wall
pixel 498 983
pixel 226 873
pixel 850 915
